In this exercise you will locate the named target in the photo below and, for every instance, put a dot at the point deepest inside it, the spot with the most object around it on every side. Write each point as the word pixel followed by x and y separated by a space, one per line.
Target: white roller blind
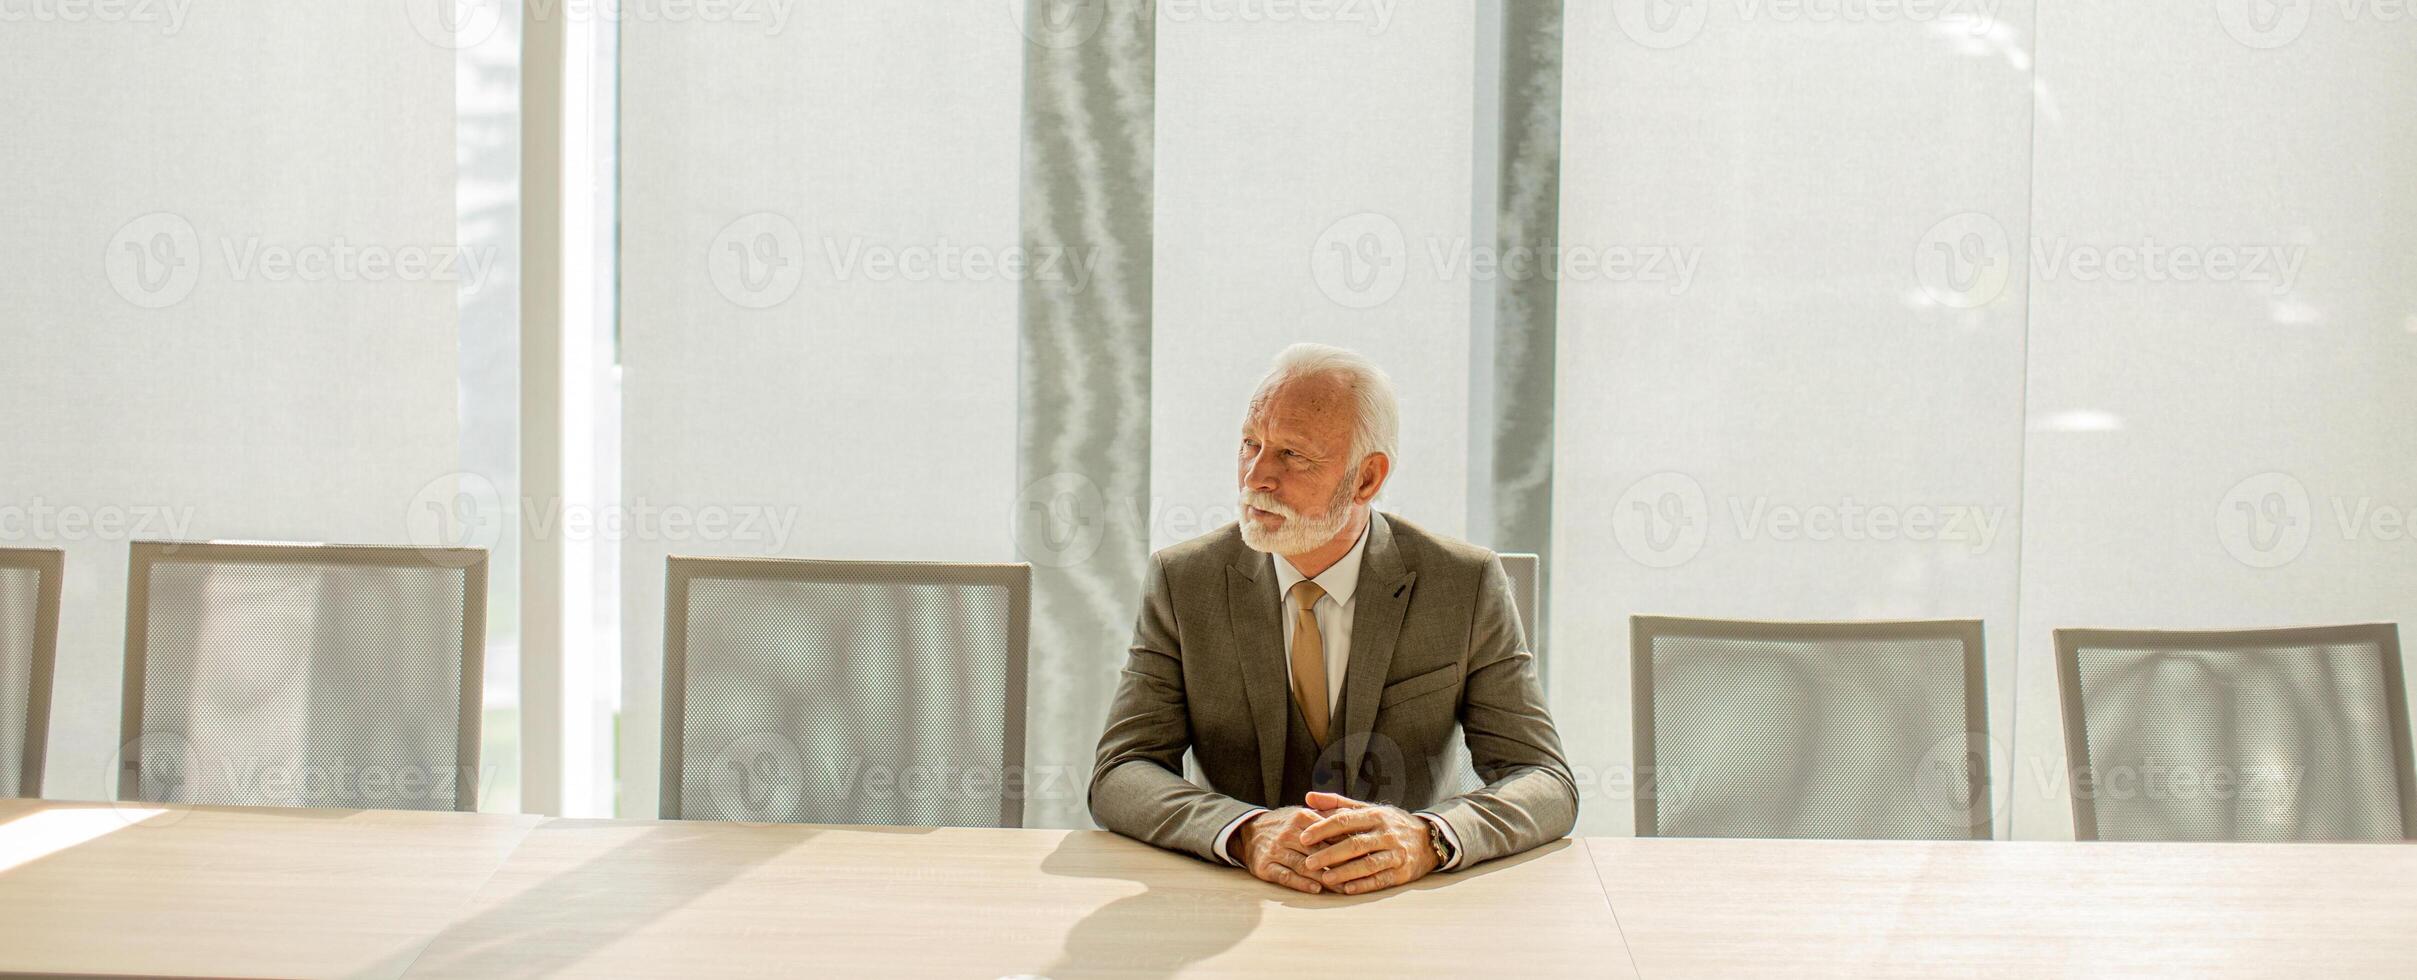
pixel 230 309
pixel 1313 183
pixel 819 279
pixel 1797 394
pixel 2224 334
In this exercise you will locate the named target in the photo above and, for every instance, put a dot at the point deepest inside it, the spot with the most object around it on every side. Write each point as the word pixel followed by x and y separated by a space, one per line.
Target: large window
pixel 2043 313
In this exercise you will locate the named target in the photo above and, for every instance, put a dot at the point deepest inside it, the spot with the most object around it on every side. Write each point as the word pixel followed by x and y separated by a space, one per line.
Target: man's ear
pixel 1373 471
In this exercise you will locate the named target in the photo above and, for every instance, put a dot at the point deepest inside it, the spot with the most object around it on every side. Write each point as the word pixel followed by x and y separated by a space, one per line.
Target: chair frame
pixel 2385 636
pixel 472 562
pixel 49 566
pixel 1643 630
pixel 681 571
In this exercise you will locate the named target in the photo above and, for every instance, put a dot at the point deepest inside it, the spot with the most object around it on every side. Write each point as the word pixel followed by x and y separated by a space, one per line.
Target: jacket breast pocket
pixel 1444 678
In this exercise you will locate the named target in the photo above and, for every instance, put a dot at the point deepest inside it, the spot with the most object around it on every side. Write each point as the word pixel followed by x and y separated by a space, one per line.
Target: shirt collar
pixel 1339 580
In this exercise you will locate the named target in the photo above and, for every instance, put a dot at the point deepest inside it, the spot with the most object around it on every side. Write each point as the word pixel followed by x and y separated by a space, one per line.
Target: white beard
pixel 1298 534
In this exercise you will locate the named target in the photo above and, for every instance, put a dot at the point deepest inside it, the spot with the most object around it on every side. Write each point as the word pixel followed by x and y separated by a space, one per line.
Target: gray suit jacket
pixel 1435 639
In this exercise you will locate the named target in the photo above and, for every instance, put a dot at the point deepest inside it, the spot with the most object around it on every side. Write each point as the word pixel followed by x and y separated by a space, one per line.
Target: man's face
pixel 1297 478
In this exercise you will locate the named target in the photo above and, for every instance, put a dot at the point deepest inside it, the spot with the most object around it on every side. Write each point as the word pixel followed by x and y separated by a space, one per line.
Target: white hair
pixel 1377 425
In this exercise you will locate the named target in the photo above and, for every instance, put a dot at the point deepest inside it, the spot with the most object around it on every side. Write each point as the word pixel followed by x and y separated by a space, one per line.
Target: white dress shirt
pixel 1333 614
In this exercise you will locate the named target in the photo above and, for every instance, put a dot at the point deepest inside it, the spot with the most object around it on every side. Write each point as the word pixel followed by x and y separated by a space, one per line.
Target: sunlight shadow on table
pixel 584 884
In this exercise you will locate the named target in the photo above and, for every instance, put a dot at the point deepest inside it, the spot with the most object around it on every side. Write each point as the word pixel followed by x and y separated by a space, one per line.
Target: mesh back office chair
pixel 844 692
pixel 1524 571
pixel 1874 730
pixel 29 646
pixel 2260 735
pixel 303 675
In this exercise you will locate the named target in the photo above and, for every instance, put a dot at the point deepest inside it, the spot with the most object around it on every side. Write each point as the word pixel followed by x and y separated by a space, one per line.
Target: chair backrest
pixel 29 647
pixel 303 675
pixel 2257 735
pixel 846 692
pixel 1864 730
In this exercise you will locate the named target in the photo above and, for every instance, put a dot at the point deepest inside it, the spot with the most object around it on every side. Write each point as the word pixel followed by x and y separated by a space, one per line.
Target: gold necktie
pixel 1309 660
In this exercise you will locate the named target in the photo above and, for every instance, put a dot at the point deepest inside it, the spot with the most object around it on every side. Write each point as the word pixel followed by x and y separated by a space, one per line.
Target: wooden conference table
pixel 120 889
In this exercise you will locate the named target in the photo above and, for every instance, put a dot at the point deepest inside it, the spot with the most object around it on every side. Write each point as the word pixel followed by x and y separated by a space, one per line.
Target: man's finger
pixel 1284 876
pixel 1343 850
pixel 1322 800
pixel 1346 822
pixel 1356 869
pixel 1375 882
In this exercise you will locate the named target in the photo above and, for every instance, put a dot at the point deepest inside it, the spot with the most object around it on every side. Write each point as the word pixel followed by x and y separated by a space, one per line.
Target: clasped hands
pixel 1335 844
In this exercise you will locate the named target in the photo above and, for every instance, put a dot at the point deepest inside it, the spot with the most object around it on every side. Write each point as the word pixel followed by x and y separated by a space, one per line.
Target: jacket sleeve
pixel 1137 788
pixel 1529 797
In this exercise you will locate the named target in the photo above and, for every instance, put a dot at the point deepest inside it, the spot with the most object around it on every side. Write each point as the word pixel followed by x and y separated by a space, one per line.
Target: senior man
pixel 1315 655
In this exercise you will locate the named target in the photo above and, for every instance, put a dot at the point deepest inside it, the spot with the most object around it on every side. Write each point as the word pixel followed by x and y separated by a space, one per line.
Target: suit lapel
pixel 1380 599
pixel 1258 640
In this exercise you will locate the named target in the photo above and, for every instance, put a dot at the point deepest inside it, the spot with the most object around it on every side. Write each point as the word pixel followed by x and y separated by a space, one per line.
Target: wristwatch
pixel 1436 840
